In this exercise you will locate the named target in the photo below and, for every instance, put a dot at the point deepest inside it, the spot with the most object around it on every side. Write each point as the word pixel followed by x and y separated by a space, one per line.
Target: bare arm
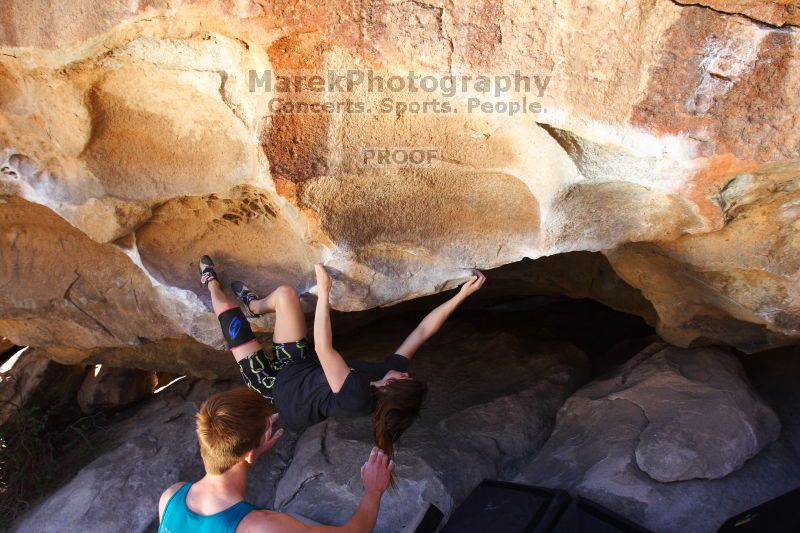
pixel 375 475
pixel 333 365
pixel 362 521
pixel 435 319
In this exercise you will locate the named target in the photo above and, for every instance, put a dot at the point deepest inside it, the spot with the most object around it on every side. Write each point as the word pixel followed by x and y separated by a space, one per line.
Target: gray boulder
pixel 666 440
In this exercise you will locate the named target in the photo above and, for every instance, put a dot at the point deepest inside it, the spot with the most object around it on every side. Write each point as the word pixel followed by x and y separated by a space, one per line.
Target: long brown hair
pixel 397 405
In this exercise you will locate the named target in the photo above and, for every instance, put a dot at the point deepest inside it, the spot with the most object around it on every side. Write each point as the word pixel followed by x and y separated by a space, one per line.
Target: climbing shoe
pixel 246 296
pixel 207 272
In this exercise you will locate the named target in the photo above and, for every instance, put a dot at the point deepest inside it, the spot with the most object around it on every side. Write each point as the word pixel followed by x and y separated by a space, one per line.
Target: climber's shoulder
pixel 166 495
pixel 263 521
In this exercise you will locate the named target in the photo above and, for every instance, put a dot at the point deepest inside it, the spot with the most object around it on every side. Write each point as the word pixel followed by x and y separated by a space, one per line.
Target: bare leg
pixel 221 303
pixel 290 323
pixel 219 300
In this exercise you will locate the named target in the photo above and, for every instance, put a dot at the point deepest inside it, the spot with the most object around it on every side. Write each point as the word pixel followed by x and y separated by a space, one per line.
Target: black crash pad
pixel 775 516
pixel 585 516
pixel 507 507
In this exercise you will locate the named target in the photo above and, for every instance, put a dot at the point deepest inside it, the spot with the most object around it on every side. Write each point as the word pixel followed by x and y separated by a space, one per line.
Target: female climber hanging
pixel 307 389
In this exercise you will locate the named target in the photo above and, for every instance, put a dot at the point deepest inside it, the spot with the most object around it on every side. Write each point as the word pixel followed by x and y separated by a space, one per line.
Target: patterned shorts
pixel 259 370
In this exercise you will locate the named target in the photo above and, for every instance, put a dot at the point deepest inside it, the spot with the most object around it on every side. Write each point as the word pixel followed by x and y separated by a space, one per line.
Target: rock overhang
pixel 670 150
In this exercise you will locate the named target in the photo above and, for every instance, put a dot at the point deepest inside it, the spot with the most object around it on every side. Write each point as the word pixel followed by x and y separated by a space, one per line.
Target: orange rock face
pixel 136 136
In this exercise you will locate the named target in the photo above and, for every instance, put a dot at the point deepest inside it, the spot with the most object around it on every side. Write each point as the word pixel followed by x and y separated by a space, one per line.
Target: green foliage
pixel 32 459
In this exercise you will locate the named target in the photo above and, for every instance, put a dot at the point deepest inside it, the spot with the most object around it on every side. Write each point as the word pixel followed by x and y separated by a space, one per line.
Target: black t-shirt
pixel 303 396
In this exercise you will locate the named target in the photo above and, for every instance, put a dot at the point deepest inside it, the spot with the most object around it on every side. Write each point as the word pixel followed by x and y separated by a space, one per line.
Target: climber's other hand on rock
pixel 323 280
pixel 474 283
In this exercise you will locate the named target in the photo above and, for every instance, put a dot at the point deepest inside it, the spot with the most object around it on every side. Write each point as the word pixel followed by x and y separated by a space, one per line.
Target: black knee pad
pixel 235 327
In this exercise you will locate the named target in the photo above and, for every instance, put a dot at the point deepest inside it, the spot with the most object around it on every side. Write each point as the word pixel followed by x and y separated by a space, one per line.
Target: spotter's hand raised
pixel 377 472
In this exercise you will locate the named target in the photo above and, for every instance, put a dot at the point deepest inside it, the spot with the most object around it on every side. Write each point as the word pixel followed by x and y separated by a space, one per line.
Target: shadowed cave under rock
pixel 526 384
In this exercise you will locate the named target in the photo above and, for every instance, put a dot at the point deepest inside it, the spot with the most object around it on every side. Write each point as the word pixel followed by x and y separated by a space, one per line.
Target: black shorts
pixel 260 370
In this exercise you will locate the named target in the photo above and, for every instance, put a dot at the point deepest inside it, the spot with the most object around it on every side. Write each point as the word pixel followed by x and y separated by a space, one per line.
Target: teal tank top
pixel 178 518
